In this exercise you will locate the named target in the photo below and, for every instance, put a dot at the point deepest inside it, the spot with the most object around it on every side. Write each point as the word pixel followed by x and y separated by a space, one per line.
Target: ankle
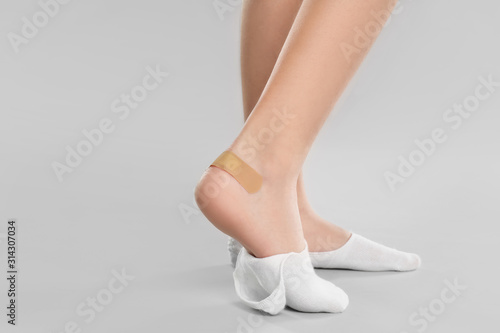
pixel 271 165
pixel 266 143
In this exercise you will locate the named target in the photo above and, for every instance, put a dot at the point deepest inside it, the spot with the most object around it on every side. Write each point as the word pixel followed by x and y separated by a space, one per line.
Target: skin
pixel 307 78
pixel 265 26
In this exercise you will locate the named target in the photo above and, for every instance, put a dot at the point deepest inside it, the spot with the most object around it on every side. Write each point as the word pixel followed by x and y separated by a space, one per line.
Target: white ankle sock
pixel 358 253
pixel 268 284
pixel 363 254
pixel 234 247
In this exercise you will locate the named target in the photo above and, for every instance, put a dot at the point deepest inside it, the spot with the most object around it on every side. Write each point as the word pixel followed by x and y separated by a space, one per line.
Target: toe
pixel 411 263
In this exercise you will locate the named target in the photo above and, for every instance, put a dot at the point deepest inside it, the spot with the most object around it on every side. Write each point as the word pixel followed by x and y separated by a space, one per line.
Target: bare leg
pixel 310 74
pixel 321 235
pixel 265 26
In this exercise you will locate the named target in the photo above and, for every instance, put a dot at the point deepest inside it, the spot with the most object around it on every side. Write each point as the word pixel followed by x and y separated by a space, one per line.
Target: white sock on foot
pixel 234 247
pixel 268 284
pixel 358 253
pixel 362 254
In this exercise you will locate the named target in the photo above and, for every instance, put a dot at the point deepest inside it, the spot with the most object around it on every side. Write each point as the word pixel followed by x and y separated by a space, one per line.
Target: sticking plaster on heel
pixel 242 172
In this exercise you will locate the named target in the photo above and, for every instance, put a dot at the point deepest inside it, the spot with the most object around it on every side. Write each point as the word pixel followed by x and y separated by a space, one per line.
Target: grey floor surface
pixel 128 205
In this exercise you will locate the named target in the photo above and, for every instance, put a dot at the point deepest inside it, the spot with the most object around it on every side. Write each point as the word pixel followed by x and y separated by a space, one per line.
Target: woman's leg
pixel 310 74
pixel 265 26
pixel 321 235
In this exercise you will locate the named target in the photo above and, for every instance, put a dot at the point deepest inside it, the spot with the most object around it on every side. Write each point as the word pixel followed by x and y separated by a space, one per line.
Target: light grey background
pixel 122 207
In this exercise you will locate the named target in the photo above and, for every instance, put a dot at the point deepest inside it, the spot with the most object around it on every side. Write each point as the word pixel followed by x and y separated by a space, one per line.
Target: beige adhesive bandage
pixel 242 172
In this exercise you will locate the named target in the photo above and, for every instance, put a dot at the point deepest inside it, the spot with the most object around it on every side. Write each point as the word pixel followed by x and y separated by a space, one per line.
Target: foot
pixel 334 247
pixel 321 235
pixel 266 223
pixel 362 254
pixel 337 248
pixel 274 267
pixel 270 283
